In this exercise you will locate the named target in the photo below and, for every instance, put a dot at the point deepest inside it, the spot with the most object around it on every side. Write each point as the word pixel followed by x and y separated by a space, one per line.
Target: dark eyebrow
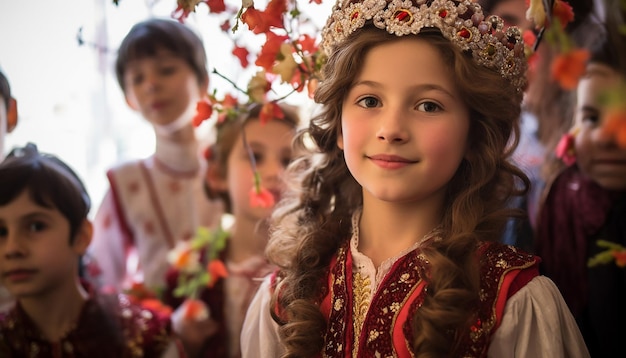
pixel 420 87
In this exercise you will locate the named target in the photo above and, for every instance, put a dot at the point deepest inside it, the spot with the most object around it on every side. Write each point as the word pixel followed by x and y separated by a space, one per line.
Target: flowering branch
pixel 197 261
pixel 614 253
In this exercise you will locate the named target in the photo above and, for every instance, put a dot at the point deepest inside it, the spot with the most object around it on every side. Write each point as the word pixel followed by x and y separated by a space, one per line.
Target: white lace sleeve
pixel 259 335
pixel 537 323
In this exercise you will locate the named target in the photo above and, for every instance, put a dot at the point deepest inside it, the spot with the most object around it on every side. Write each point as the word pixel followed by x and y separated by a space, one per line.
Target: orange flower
pixel 216 270
pixel 261 198
pixel 182 257
pixel 615 124
pixel 620 257
pixel 157 306
pixel 195 310
pixel 270 111
pixel 312 87
pixel 568 67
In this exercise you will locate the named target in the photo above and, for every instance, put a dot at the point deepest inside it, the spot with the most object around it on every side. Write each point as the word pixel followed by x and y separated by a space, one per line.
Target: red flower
pixel 242 54
pixel 563 12
pixel 565 149
pixel 270 111
pixel 216 6
pixel 261 21
pixel 205 109
pixel 568 67
pixel 307 44
pixel 195 310
pixel 270 50
pixel 216 270
pixel 261 198
pixel 157 306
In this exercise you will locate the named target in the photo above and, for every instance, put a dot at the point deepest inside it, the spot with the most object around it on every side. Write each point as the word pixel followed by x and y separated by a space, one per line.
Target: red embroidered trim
pixel 158 208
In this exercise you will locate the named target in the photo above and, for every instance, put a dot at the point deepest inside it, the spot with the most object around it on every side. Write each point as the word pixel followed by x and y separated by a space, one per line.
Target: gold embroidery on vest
pixel 362 292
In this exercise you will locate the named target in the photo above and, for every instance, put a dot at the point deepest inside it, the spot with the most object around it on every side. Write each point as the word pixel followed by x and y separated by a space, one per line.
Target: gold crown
pixel 461 22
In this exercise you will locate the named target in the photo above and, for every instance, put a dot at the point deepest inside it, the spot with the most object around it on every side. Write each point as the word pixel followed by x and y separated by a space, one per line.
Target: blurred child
pixel 44 230
pixel 230 177
pixel 388 244
pixel 8 111
pixel 8 121
pixel 154 203
pixel 587 202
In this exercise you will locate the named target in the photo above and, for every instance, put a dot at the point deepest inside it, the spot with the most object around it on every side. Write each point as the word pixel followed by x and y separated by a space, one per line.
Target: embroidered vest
pixel 386 331
pixel 158 210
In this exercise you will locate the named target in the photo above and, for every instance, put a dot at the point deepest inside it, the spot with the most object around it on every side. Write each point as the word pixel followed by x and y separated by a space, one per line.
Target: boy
pixel 44 230
pixel 153 203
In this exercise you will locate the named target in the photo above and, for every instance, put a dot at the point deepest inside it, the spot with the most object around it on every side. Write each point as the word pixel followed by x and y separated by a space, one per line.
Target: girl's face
pixel 598 155
pixel 162 87
pixel 271 146
pixel 36 257
pixel 404 125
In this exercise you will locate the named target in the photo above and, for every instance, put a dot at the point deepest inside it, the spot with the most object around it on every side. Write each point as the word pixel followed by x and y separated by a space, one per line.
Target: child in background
pixel 8 111
pixel 44 230
pixel 153 203
pixel 587 202
pixel 389 244
pixel 230 178
pixel 8 121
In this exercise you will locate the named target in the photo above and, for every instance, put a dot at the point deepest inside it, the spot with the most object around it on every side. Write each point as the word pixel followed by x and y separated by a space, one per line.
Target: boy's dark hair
pixel 5 90
pixel 145 38
pixel 50 182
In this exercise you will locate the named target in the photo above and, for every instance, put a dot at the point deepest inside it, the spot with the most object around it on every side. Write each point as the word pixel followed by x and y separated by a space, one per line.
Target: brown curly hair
pixel 315 220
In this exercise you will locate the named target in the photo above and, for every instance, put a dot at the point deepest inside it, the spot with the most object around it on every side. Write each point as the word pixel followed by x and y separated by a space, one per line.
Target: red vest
pixel 387 332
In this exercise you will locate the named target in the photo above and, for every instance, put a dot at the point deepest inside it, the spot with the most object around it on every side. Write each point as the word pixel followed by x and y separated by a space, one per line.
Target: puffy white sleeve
pixel 537 323
pixel 259 335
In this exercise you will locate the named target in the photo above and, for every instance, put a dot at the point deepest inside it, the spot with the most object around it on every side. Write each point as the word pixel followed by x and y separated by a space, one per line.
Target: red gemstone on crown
pixel 443 13
pixel 464 33
pixel 403 15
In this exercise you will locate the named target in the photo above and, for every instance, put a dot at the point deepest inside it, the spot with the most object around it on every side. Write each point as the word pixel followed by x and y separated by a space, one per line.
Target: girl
pixel 156 202
pixel 388 246
pixel 230 178
pixel 587 202
pixel 43 232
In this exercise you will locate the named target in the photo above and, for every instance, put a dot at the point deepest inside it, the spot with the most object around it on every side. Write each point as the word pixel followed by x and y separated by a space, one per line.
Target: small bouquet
pixel 198 265
pixel 614 253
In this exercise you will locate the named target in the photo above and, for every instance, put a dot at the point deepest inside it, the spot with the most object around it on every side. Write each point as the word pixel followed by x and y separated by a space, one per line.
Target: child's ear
pixel 214 178
pixel 12 115
pixel 83 237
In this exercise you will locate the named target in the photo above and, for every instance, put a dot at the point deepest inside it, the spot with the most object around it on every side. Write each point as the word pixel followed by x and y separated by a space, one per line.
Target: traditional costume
pixel 577 212
pixel 108 326
pixel 151 205
pixel 369 310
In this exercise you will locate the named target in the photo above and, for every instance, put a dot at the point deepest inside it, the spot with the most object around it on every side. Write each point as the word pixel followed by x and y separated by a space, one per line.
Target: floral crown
pixel 461 22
